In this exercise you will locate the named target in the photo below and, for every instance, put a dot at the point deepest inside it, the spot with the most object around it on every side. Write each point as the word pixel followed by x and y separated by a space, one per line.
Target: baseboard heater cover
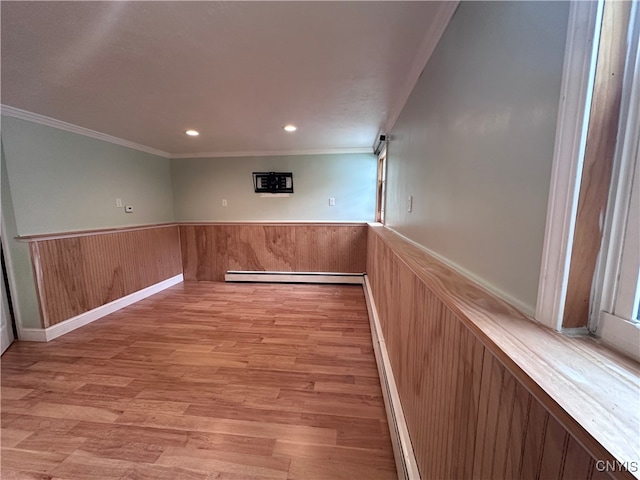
pixel 406 464
pixel 294 277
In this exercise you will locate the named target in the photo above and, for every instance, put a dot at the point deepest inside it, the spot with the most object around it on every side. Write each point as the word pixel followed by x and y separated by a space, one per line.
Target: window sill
pixel 591 390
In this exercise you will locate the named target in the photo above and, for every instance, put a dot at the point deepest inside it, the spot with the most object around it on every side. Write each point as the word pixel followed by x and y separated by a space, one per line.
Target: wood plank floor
pixel 203 381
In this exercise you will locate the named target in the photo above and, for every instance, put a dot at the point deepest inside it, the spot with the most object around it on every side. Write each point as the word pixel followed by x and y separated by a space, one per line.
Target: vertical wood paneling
pixel 518 430
pixel 493 377
pixel 553 452
pixel 77 274
pixel 209 250
pixel 211 246
pixel 468 392
pixel 34 251
pixel 533 441
pixel 577 463
pixel 468 415
pixel 453 326
pixel 503 428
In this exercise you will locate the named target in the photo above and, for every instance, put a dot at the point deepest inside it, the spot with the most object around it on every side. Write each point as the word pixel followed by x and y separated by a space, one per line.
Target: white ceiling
pixel 236 71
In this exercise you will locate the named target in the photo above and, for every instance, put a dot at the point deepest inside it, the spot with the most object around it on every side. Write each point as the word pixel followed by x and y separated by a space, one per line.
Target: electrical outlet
pixel 119 202
pixel 410 203
pixel 224 202
pixel 332 202
pixel 128 209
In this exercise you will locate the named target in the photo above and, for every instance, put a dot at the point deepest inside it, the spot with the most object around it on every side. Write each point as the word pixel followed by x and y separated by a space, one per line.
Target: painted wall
pixel 474 144
pixel 21 281
pixel 57 181
pixel 200 185
pixel 61 181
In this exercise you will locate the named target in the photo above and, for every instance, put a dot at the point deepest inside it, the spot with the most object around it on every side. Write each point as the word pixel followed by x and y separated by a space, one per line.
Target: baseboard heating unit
pixel 294 277
pixel 406 464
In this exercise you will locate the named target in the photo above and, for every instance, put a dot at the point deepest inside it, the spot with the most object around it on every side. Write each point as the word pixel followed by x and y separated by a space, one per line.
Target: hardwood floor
pixel 203 381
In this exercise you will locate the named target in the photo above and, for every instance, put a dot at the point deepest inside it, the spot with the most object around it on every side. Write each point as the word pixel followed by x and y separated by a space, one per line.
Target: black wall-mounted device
pixel 382 141
pixel 272 182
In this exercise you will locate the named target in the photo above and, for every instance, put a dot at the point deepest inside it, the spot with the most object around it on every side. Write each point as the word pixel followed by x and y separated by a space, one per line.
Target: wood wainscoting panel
pixel 75 274
pixel 204 252
pixel 209 250
pixel 470 413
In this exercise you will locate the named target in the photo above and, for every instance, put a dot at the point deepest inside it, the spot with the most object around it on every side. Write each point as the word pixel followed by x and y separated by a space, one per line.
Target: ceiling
pixel 235 71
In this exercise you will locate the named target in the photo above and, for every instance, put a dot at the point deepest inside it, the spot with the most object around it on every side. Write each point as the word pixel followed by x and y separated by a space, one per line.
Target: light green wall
pixel 200 185
pixel 474 144
pixel 57 181
pixel 62 181
pixel 23 292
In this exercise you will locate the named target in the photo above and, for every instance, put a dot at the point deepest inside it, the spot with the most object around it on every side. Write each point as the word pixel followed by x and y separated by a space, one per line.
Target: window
pixel 382 183
pixel 614 315
pixel 603 260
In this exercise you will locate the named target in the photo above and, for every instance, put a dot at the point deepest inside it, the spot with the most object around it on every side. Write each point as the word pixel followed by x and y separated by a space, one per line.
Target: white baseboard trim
pixel 406 464
pixel 294 277
pixel 32 335
pixel 44 335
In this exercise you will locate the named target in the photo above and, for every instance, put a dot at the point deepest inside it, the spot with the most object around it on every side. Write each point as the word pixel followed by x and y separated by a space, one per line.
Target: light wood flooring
pixel 202 381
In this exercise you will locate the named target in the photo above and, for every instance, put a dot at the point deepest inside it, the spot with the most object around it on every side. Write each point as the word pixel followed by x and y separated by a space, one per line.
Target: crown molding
pixel 443 15
pixel 69 127
pixel 272 153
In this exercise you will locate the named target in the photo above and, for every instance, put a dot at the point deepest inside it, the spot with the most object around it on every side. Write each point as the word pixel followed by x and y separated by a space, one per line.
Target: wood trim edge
pixel 512 303
pixel 87 233
pixel 34 251
pixel 104 231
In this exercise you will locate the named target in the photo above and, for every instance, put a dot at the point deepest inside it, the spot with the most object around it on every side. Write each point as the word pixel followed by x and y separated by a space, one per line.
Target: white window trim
pixel 621 253
pixel 628 294
pixel 581 51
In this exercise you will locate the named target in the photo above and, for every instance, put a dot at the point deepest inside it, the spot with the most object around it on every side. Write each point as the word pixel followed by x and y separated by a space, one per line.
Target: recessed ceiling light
pixel 290 128
pixel 192 133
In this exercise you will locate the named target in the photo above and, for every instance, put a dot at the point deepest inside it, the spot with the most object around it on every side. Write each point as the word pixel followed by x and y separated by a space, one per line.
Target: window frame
pixel 574 110
pixel 614 312
pixel 381 186
pixel 609 287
